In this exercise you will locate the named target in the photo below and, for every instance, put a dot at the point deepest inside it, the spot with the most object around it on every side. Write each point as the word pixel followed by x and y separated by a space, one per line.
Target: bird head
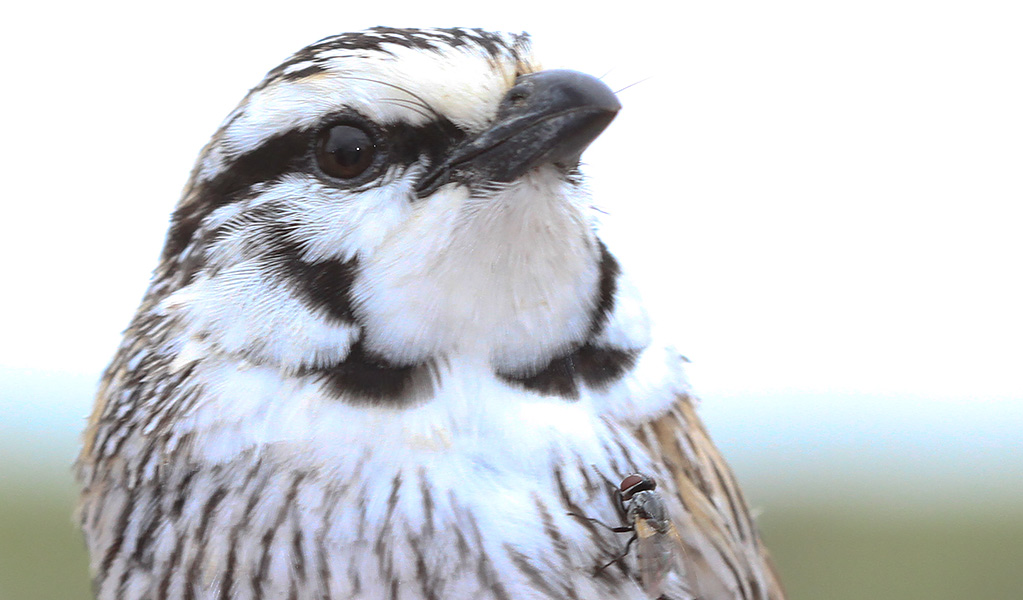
pixel 392 197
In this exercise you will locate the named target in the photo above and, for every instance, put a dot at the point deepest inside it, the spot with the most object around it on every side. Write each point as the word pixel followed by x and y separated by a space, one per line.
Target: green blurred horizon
pixel 859 496
pixel 828 542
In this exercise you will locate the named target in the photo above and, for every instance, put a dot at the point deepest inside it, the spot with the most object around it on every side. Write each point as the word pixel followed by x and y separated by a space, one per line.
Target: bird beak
pixel 548 117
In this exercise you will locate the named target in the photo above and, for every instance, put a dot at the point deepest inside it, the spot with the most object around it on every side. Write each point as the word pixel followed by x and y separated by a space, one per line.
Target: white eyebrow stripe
pixel 463 84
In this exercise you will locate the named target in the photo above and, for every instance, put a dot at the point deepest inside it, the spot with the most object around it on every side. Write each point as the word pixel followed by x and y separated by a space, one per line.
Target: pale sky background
pixel 822 200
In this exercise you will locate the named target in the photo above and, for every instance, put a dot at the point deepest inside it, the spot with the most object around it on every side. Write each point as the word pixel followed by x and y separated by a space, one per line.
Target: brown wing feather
pixel 723 547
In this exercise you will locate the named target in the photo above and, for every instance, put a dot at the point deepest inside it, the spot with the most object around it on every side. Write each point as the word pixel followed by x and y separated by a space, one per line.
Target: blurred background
pixel 822 202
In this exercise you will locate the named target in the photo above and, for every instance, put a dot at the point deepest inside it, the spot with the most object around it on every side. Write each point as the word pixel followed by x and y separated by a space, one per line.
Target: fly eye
pixel 630 481
pixel 635 483
pixel 345 151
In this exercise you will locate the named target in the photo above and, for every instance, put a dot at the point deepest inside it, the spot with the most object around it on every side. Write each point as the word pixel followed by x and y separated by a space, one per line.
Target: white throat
pixel 512 277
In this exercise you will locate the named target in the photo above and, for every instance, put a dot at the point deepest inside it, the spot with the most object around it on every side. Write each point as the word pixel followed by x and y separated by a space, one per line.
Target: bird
pixel 385 353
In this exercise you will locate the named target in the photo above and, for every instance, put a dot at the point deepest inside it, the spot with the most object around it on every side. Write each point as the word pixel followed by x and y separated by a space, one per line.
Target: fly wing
pixel 654 554
pixel 680 557
pixel 725 555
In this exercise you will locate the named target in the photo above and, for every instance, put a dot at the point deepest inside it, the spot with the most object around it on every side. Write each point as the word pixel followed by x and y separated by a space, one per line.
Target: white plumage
pixel 385 353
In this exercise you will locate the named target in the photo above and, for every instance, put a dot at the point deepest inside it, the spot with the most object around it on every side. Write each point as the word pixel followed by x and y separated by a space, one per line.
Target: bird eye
pixel 345 151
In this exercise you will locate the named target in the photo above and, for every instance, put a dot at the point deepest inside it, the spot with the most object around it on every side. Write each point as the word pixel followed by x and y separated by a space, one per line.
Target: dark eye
pixel 635 483
pixel 344 151
pixel 630 481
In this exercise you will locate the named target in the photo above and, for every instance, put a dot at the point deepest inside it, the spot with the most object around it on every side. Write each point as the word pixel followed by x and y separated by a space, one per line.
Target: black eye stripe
pixel 432 140
pixel 293 152
pixel 404 144
pixel 269 161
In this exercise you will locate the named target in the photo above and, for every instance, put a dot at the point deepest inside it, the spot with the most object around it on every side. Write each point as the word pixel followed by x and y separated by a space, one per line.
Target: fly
pixel 659 548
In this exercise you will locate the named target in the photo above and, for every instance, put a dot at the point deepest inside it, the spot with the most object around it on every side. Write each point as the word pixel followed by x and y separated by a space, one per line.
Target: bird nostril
pixel 517 96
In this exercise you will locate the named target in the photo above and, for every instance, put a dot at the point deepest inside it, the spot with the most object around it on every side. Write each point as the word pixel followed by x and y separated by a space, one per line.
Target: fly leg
pixel 624 553
pixel 620 529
